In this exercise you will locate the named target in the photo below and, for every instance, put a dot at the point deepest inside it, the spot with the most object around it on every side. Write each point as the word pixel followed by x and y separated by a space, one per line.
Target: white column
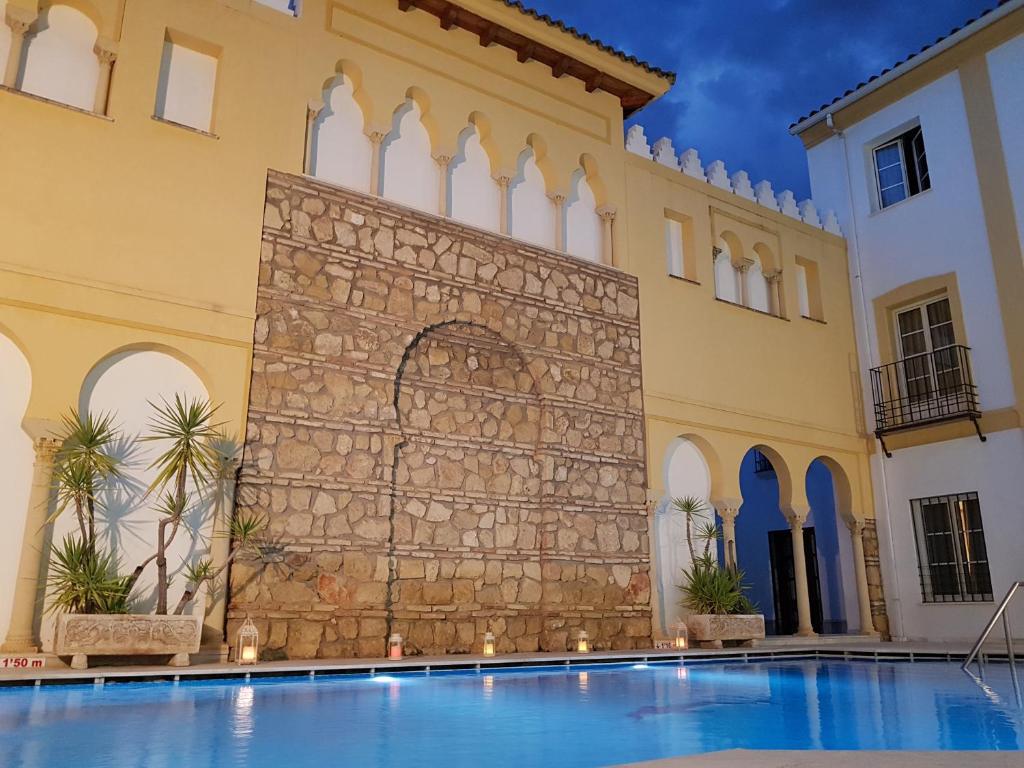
pixel 21 633
pixel 443 160
pixel 774 278
pixel 558 200
pixel 377 136
pixel 20 20
pixel 797 516
pixel 741 271
pixel 607 214
pixel 313 109
pixel 106 51
pixel 728 510
pixel 220 550
pixel 504 179
pixel 867 623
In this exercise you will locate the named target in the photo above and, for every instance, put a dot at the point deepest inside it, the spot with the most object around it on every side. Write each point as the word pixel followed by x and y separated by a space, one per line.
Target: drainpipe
pixel 871 352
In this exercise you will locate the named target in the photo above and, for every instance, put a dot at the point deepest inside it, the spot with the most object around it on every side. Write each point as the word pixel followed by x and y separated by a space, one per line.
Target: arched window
pixel 583 230
pixel 341 152
pixel 757 286
pixel 473 195
pixel 532 214
pixel 59 62
pixel 726 276
pixel 409 174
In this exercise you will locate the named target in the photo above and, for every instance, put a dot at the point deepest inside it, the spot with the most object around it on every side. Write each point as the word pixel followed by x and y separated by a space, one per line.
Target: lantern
pixel 489 649
pixel 395 647
pixel 248 648
pixel 682 638
pixel 583 642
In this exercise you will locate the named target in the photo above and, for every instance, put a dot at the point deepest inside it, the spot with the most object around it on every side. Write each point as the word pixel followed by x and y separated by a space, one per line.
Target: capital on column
pixel 313 109
pixel 727 509
pixel 20 19
pixel 743 266
pixel 796 515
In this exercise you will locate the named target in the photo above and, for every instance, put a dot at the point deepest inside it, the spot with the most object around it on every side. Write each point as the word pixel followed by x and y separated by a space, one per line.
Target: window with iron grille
pixel 951 549
pixel 762 463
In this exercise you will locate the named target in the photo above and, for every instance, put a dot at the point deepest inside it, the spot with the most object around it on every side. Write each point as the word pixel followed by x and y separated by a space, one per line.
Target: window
pixel 291 7
pixel 901 168
pixel 951 549
pixel 674 246
pixel 926 339
pixel 186 86
pixel 808 289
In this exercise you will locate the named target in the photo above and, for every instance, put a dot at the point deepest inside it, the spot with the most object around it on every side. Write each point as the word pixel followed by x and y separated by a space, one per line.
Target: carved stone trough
pixel 713 631
pixel 83 635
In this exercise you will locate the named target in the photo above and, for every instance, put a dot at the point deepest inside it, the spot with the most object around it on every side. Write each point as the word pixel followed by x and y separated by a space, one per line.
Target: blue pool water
pixel 560 716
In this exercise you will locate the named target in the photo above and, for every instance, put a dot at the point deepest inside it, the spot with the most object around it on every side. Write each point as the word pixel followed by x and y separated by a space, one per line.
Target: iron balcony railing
pixel 923 389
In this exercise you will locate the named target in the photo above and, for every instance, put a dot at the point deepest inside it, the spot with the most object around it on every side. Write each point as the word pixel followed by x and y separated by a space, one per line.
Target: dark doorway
pixel 780 547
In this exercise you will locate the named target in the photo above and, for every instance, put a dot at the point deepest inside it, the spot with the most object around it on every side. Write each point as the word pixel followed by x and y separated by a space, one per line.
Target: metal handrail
pixel 999 614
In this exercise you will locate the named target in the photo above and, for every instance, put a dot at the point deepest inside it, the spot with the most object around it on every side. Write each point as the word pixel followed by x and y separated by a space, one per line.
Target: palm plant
pixel 83 466
pixel 699 525
pixel 709 589
pixel 83 580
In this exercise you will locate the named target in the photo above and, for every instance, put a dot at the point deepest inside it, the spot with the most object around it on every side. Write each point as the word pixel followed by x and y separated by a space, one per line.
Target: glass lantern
pixel 395 647
pixel 583 642
pixel 682 641
pixel 489 645
pixel 248 649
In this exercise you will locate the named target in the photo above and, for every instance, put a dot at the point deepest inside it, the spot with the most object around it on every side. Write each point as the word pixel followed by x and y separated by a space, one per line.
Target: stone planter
pixel 712 631
pixel 83 635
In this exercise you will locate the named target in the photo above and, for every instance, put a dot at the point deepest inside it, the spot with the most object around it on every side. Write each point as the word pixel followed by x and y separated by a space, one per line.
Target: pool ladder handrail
pixel 999 614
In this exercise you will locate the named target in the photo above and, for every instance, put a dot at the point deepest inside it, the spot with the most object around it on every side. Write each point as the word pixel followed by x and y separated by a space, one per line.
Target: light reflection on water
pixel 565 717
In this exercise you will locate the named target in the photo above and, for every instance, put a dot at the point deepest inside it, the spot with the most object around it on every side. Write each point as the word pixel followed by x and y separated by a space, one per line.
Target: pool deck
pixel 846 647
pixel 746 758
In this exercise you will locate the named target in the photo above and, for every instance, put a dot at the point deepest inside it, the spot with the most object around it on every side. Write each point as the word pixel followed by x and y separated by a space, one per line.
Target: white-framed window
pixel 927 341
pixel 674 247
pixel 951 551
pixel 901 168
pixel 186 87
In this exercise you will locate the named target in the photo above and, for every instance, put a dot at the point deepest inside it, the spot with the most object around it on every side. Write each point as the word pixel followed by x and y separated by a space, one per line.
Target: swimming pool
pixel 559 716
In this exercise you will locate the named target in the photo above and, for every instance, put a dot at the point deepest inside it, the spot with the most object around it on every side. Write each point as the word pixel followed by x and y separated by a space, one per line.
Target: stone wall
pixel 873 566
pixel 446 433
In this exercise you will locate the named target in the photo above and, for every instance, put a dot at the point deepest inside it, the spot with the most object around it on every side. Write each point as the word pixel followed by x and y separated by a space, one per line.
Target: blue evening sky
pixel 748 68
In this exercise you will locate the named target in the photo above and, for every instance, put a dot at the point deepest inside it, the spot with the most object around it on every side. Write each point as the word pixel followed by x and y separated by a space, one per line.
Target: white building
pixel 924 165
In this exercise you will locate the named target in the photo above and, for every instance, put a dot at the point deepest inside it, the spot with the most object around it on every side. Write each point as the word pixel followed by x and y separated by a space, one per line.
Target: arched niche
pixel 409 173
pixel 726 275
pixel 16 458
pixel 126 384
pixel 583 229
pixel 828 491
pixel 473 195
pixel 341 152
pixel 757 289
pixel 59 62
pixel 531 212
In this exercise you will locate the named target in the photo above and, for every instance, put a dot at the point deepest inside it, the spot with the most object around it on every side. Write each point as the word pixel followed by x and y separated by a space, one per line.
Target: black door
pixel 780 547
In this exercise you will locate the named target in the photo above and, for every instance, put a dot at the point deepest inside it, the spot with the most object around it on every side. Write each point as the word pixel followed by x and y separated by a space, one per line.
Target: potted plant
pixel 94 601
pixel 720 610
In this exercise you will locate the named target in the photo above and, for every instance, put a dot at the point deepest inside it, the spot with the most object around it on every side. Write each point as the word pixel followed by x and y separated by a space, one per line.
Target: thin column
pixel 106 52
pixel 797 517
pixel 774 278
pixel 607 214
pixel 313 109
pixel 20 634
pixel 20 20
pixel 443 160
pixel 867 624
pixel 728 510
pixel 504 180
pixel 377 136
pixel 558 199
pixel 741 270
pixel 220 550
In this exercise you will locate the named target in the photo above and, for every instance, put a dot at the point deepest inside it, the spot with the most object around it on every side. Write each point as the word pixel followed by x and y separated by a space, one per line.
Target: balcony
pixel 925 389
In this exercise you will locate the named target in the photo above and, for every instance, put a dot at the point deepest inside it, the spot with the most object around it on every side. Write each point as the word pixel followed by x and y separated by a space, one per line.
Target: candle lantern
pixel 395 647
pixel 248 648
pixel 489 648
pixel 682 638
pixel 583 642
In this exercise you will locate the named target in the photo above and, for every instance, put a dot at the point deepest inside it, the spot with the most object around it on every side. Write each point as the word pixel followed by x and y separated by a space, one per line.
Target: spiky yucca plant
pixel 83 580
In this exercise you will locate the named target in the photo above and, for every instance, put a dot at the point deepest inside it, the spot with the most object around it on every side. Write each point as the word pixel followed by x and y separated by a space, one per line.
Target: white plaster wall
pixel 124 384
pixel 993 470
pixel 186 86
pixel 16 457
pixel 5 34
pixel 59 60
pixel 583 229
pixel 685 474
pixel 726 287
pixel 342 153
pixel 291 7
pixel 473 195
pixel 757 286
pixel 939 231
pixel 1005 65
pixel 532 214
pixel 409 173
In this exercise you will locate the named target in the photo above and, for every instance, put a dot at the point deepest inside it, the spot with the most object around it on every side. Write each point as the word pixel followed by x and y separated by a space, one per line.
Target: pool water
pixel 566 717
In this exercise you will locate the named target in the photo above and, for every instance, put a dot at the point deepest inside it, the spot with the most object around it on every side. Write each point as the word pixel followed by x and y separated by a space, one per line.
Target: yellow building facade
pixel 126 232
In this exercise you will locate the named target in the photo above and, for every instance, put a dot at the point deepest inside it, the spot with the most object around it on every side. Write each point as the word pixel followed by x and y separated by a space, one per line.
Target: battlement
pixel 737 183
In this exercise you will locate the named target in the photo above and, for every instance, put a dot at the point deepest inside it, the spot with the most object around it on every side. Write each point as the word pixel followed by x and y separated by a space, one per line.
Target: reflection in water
pixel 575 718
